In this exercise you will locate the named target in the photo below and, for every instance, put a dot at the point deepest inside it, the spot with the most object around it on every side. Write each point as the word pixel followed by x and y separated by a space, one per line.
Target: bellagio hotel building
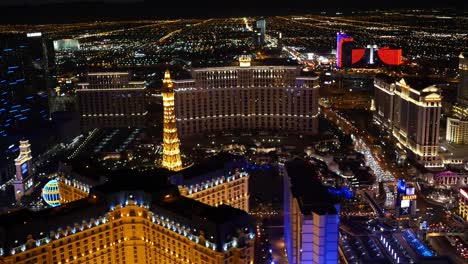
pixel 247 97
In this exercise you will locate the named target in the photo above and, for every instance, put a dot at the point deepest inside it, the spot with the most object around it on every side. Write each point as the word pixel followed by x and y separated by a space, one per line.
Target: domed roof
pixel 51 193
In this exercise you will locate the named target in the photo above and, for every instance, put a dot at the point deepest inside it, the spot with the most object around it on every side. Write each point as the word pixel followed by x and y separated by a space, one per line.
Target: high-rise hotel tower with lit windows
pixel 111 100
pixel 457 123
pixel 247 97
pixel 410 109
pixel 463 203
pixel 132 218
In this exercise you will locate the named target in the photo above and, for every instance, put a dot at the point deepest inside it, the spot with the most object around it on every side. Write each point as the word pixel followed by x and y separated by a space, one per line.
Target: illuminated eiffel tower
pixel 171 152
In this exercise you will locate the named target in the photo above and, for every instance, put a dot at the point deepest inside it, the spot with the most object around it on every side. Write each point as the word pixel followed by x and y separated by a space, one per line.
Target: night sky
pixel 68 11
pixel 265 3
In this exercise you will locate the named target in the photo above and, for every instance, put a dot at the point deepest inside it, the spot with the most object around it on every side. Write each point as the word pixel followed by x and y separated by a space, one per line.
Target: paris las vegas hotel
pixel 190 216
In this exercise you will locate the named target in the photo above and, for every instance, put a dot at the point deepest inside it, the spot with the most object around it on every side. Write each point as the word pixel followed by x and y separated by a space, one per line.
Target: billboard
pixel 405 203
pixel 66 44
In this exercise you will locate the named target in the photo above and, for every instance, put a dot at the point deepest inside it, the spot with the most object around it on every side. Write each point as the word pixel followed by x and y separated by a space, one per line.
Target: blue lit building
pixel 25 68
pixel 311 216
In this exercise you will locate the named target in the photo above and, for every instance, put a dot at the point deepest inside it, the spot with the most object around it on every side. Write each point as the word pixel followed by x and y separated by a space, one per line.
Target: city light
pixel 219 137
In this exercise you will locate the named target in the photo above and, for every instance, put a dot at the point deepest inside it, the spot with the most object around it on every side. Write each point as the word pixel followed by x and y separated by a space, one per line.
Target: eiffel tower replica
pixel 171 151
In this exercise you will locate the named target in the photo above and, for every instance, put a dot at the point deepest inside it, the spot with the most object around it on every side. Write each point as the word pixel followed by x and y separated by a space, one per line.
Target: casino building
pixel 131 218
pixel 218 180
pixel 247 97
pixel 463 203
pixel 111 100
pixel 410 109
pixel 222 179
pixel 457 123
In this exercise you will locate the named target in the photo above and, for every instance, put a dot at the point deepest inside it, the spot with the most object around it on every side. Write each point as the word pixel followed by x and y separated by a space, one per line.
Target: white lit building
pixel 410 109
pixel 247 97
pixel 463 203
pixel 457 123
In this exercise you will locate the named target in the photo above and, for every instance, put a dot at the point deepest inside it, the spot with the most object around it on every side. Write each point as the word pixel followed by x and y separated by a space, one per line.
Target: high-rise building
pixel 247 97
pixel 457 123
pixel 457 127
pixel 348 55
pixel 141 220
pixel 171 151
pixel 222 179
pixel 416 119
pixel 463 203
pixel 111 100
pixel 261 27
pixel 311 216
pixel 26 63
pixel 462 95
pixel 384 93
pixel 344 50
pixel 410 108
pixel 24 178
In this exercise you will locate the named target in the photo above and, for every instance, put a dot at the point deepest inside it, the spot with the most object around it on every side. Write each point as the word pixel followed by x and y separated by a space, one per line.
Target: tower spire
pixel 171 151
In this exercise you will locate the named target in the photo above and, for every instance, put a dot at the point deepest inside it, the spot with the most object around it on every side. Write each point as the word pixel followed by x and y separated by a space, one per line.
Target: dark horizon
pixel 46 13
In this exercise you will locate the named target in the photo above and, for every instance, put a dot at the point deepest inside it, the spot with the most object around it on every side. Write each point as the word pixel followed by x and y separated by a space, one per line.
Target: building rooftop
pixel 84 169
pixel 152 182
pixel 190 209
pixel 219 224
pixel 417 83
pixel 308 190
pixel 453 151
pixel 253 63
pixel 16 226
pixel 214 166
pixel 386 78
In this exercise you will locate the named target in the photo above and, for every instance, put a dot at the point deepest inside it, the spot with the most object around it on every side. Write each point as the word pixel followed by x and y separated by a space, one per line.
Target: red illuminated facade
pixel 347 55
pixel 390 56
pixel 357 55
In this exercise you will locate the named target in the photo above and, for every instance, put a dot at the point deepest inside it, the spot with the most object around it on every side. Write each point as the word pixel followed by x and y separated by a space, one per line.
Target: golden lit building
pixel 72 189
pixel 463 203
pixel 457 129
pixel 416 119
pixel 222 179
pixel 271 96
pixel 135 219
pixel 410 108
pixel 76 178
pixel 171 152
pixel 111 100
